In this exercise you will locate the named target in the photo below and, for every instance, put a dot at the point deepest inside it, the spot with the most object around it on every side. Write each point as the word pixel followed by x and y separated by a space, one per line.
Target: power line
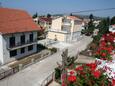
pixel 94 10
pixel 83 11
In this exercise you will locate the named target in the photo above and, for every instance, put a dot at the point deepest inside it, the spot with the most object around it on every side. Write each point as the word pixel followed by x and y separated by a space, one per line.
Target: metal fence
pixel 48 79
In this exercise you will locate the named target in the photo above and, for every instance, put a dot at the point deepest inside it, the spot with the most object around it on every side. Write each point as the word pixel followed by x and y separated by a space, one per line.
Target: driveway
pixel 36 73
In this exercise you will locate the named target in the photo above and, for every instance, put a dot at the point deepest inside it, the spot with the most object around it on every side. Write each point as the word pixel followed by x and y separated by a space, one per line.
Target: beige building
pixel 66 28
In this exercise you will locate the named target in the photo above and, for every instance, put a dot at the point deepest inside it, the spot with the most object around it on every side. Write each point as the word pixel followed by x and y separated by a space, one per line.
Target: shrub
pixel 87 75
pixel 70 61
pixel 106 47
pixel 41 47
pixel 53 50
pixel 57 73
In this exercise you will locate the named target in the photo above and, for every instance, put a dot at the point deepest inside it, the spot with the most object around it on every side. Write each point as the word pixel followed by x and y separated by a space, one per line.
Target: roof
pixel 44 19
pixel 73 18
pixel 14 21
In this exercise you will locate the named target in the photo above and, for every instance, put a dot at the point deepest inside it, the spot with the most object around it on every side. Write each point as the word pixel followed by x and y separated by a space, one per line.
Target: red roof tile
pixel 45 19
pixel 73 18
pixel 13 21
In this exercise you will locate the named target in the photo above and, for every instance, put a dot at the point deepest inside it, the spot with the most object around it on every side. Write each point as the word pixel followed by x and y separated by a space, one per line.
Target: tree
pixel 48 15
pixel 89 28
pixel 91 17
pixel 113 20
pixel 35 15
pixel 71 14
pixel 104 26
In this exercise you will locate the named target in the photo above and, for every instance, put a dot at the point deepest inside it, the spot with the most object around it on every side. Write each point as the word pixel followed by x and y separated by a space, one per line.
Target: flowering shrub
pixel 88 75
pixel 100 73
pixel 108 67
pixel 106 47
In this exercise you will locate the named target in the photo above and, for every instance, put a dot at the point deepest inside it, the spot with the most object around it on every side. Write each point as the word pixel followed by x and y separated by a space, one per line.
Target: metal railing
pixel 20 43
pixel 48 79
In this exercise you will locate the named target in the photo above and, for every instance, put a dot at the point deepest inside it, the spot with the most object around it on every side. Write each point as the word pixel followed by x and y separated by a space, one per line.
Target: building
pixel 66 28
pixel 96 22
pixel 18 35
pixel 45 22
pixel 95 32
pixel 112 28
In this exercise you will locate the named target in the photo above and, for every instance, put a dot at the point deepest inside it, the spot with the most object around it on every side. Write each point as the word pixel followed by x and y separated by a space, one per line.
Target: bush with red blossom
pixel 88 75
pixel 106 47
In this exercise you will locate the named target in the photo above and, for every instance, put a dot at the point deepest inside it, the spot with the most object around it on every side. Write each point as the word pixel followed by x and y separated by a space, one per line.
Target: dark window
pixel 22 39
pixel 22 50
pixel 31 37
pixel 13 53
pixel 12 41
pixel 30 47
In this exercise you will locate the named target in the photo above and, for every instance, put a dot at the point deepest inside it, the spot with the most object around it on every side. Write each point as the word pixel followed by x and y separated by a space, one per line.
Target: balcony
pixel 20 44
pixel 67 23
pixel 68 30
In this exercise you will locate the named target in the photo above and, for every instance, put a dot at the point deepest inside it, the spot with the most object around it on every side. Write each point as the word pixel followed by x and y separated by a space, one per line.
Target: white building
pixel 112 28
pixel 96 22
pixel 66 28
pixel 18 35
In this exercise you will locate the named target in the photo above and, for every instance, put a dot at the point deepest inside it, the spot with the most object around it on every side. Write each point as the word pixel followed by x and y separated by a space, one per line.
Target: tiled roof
pixel 13 21
pixel 44 19
pixel 73 18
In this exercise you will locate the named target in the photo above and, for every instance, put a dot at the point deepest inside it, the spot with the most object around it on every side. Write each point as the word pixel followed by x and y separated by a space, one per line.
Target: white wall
pixel 1 49
pixel 57 24
pixel 112 28
pixel 6 51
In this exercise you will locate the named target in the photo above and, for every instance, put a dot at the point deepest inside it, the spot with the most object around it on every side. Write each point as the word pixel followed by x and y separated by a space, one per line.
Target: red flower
pixel 103 54
pixel 113 82
pixel 102 43
pixel 72 72
pixel 80 68
pixel 92 66
pixel 72 78
pixel 103 59
pixel 97 53
pixel 63 84
pixel 96 73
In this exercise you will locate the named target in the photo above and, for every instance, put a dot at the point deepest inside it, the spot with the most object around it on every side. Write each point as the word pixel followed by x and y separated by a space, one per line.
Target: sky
pixel 61 6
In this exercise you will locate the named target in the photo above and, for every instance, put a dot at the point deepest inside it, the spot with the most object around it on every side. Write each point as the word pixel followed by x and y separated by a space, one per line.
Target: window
pixel 22 50
pixel 22 39
pixel 13 53
pixel 12 41
pixel 31 37
pixel 30 47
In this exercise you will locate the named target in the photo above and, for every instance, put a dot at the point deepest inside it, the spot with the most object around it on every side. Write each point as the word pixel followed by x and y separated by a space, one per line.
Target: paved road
pixel 36 73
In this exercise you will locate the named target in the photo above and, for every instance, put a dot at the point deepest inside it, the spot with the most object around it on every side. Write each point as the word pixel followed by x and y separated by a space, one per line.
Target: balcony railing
pixel 68 30
pixel 67 23
pixel 21 44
